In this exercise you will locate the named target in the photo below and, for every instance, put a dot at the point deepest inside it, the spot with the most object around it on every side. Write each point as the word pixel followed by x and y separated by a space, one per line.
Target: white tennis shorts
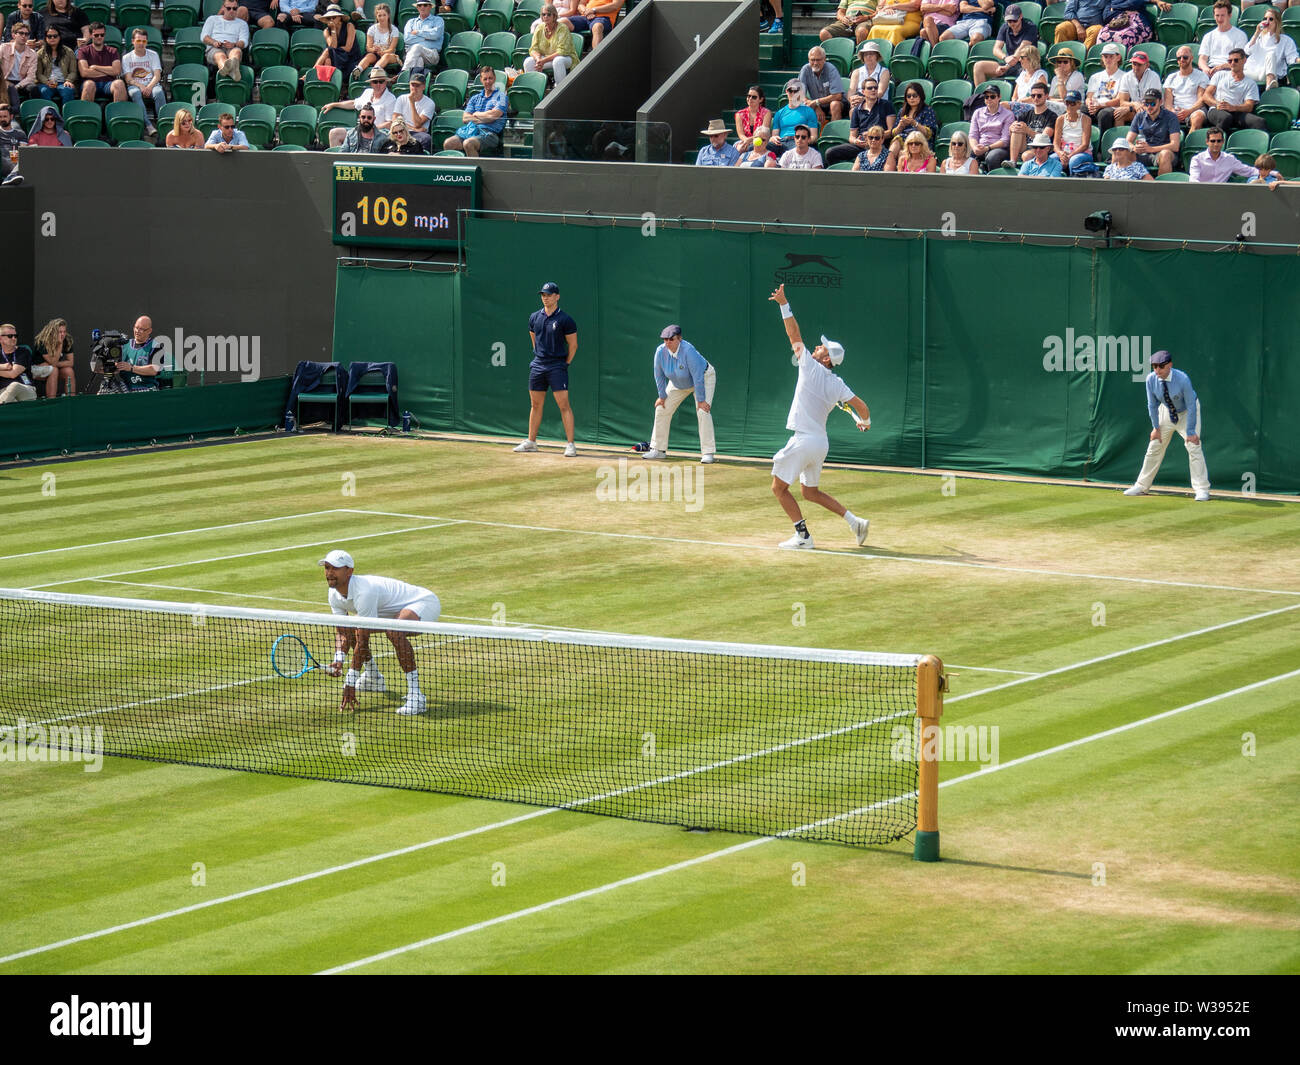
pixel 801 458
pixel 428 608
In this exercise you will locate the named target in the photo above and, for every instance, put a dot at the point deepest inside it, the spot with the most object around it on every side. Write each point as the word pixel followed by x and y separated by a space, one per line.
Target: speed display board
pixel 402 205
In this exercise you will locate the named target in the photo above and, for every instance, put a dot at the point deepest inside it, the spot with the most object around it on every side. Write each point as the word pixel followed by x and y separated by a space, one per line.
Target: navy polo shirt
pixel 550 332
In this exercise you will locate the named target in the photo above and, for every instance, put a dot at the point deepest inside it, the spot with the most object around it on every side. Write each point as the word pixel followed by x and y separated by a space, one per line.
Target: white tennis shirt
pixel 377 597
pixel 817 393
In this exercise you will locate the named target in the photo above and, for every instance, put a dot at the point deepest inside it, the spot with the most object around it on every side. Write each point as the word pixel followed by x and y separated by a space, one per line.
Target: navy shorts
pixel 582 24
pixel 556 377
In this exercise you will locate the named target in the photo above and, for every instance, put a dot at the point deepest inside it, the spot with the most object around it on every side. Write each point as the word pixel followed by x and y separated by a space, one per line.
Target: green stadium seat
pixel 356 87
pixel 305 47
pixel 526 13
pixel 498 50
pixel 522 44
pixel 1249 19
pixel 947 61
pixel 190 84
pixel 188 47
pixel 1284 147
pixel 1279 107
pixel 113 36
pixel 1177 26
pixel 209 117
pixel 1004 171
pixel 462 52
pixel 319 93
pixel 449 89
pixel 235 93
pixel 461 18
pixel 269 47
pixel 494 16
pixel 133 13
pixel 1053 15
pixel 278 86
pixel 336 119
pixel 167 119
pixel 83 119
pixel 948 99
pixel 979 50
pixel 833 133
pixel 94 10
pixel 907 67
pixel 257 122
pixel 288 148
pixel 180 14
pixel 297 126
pixel 1193 144
pixel 93 142
pixel 1247 145
pixel 324 398
pixel 1074 47
pixel 444 126
pixel 370 390
pixel 839 53
pixel 526 93
pixel 1291 25
pixel 29 109
pixel 840 166
pixel 452 153
pixel 125 121
pixel 1173 175
pixel 137 144
pixel 1156 52
pixel 1032 11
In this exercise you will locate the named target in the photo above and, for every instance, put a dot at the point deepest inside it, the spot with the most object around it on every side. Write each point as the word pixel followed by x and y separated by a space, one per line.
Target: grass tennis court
pixel 1107 838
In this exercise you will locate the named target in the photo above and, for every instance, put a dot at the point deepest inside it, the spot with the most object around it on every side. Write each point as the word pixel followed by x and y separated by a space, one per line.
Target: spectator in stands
pixel 342 42
pixel 552 46
pixel 914 116
pixel 142 73
pixel 1073 137
pixel 1214 165
pixel 16 385
pixel 1185 90
pixel 366 135
pixel 52 359
pixel 598 16
pixel 183 133
pixel 1040 119
pixel 875 156
pixel 382 41
pixel 226 37
pixel 755 155
pixel 565 9
pixel 1103 88
pixel 47 130
pixel 1266 171
pixel 1016 31
pixel 1067 80
pixel 26 13
pixel 1082 21
pixel 1043 162
pixel 870 67
pixel 1031 75
pixel 778 23
pixel 990 129
pixel 915 157
pixel 18 66
pixel 852 20
pixel 485 118
pixel 417 110
pixel 872 113
pixel 1269 52
pixel 12 134
pixel 258 13
pixel 423 35
pixel 795 112
pixel 400 141
pixel 936 17
pixel 824 87
pixel 1123 164
pixel 896 20
pixel 1126 22
pixel 100 66
pixel 225 138
pixel 1155 134
pixel 717 152
pixel 1218 42
pixel 1231 96
pixel 380 99
pixel 56 68
pixel 1134 84
pixel 296 15
pixel 803 156
pixel 959 160
pixel 71 22
pixel 754 119
pixel 974 22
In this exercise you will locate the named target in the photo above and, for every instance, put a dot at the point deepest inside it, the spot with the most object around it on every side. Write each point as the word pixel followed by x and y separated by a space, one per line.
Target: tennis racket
pixel 290 657
pixel 855 415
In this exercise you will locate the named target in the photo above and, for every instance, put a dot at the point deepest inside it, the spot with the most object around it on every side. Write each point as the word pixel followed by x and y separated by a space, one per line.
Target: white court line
pixel 209 591
pixel 180 532
pixel 987 669
pixel 244 554
pixel 487 828
pixel 847 554
pixel 748 844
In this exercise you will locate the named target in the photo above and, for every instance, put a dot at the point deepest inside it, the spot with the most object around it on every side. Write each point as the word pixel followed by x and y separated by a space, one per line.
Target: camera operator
pixel 134 369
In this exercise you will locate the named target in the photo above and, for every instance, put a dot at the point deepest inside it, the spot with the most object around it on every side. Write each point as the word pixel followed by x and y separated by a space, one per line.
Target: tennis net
pixel 736 737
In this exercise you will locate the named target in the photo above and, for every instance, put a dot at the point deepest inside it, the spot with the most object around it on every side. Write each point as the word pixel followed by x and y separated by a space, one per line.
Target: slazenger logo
pixel 808 271
pixel 132 1019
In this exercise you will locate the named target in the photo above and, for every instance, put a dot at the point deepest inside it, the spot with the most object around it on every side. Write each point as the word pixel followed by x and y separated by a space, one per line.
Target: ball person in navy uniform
pixel 1172 405
pixel 554 337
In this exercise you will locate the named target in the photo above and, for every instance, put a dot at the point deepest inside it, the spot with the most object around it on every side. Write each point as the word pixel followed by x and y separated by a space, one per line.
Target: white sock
pixel 370 668
pixel 848 516
pixel 413 682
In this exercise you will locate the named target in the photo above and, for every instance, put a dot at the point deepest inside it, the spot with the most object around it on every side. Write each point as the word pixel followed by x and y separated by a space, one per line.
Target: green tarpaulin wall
pixel 972 355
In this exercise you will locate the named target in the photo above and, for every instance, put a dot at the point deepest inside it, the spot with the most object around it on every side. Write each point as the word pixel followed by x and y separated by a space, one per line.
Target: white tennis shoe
pixel 570 450
pixel 653 453
pixel 1134 491
pixel 527 445
pixel 707 459
pixel 371 681
pixel 1202 497
pixel 414 704
pixel 860 527
pixel 798 543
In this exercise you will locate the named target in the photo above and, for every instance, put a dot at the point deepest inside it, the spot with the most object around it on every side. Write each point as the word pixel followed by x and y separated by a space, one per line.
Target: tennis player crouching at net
pixel 374 597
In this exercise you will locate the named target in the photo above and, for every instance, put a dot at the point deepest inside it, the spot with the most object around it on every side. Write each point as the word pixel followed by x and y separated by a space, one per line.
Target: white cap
pixel 337 559
pixel 836 351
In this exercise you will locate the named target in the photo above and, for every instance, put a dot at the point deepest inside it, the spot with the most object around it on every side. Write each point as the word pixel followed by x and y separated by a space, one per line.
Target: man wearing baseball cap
pixel 680 370
pixel 1172 405
pixel 554 339
pixel 374 597
pixel 1134 84
pixel 1155 134
pixel 796 112
pixel 1103 87
pixel 818 390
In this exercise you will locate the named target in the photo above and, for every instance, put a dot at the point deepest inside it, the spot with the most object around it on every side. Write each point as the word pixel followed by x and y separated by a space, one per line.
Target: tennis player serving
pixel 374 597
pixel 816 394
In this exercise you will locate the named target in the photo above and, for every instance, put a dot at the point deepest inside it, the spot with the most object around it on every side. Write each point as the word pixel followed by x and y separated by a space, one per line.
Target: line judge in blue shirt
pixel 680 370
pixel 1172 405
pixel 554 336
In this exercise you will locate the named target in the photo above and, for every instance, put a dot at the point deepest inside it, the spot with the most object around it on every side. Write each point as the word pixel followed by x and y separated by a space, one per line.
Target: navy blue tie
pixel 1173 411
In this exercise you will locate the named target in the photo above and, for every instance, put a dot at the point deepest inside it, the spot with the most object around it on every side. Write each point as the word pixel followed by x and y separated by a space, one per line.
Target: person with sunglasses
pixel 1270 52
pixel 26 13
pixel 796 112
pixel 1231 96
pixel 16 384
pixel 183 134
pixel 1072 139
pixel 1172 407
pixel 1185 89
pixel 754 119
pixel 872 113
pixel 959 161
pixel 990 129
pixel 100 67
pixel 915 116
pixel 226 36
pixel 18 65
pixel 48 132
pixel 56 68
pixel 1039 119
pixel 1155 134
pixel 1214 166
pixel 803 156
